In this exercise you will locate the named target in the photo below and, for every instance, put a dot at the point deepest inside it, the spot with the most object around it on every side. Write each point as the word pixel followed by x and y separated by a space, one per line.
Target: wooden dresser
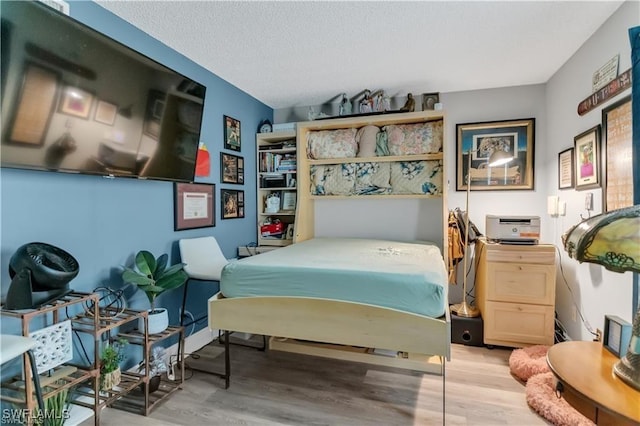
pixel 515 292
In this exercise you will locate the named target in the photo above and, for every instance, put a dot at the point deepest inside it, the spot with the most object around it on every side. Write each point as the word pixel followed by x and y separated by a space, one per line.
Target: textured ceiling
pixel 307 52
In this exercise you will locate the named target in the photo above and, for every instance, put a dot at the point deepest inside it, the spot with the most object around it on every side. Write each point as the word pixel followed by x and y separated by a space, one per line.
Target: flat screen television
pixel 75 100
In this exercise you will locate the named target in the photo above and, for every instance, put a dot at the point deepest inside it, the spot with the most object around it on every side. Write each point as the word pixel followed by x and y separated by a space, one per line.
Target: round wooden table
pixel 586 371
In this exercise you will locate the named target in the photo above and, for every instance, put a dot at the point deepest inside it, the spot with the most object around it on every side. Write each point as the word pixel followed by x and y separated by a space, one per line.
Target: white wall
pixel 596 291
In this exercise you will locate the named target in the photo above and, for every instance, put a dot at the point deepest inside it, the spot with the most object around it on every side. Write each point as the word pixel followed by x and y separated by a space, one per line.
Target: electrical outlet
pixel 598 337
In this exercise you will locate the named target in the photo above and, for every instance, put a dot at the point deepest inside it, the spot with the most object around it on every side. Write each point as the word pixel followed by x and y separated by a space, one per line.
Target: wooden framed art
pixel 617 161
pixel 566 169
pixel 231 168
pixel 75 101
pixel 587 159
pixel 232 138
pixel 193 205
pixel 105 113
pixel 475 142
pixel 232 203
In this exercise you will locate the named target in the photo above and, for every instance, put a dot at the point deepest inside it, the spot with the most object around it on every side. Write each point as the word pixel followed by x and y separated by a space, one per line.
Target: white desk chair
pixel 204 260
pixel 11 347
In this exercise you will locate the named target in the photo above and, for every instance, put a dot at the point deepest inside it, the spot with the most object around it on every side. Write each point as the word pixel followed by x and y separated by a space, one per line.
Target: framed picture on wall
pixel 232 203
pixel 230 168
pixel 193 205
pixel 617 161
pixel 476 142
pixel 232 138
pixel 587 159
pixel 566 169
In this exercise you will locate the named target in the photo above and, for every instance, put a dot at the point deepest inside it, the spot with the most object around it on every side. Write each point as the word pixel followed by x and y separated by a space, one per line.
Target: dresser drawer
pixel 541 255
pixel 507 323
pixel 521 283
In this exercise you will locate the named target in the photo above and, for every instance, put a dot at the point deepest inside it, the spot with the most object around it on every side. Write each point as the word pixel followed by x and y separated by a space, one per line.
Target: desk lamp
pixel 497 158
pixel 612 240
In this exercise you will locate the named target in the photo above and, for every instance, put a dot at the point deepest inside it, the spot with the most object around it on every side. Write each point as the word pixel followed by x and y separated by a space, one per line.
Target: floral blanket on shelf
pixel 403 177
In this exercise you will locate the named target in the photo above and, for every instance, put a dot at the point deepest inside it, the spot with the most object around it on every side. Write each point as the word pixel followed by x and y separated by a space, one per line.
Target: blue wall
pixel 103 222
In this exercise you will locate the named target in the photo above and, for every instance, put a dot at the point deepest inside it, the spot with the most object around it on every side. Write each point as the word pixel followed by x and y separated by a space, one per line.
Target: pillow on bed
pixel 416 177
pixel 373 178
pixel 340 143
pixel 335 179
pixel 412 139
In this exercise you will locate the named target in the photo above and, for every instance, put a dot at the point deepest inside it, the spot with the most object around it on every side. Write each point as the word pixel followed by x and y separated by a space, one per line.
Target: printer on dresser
pixel 515 292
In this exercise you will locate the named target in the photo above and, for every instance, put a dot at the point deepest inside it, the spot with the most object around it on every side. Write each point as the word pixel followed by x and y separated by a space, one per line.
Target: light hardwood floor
pixel 277 388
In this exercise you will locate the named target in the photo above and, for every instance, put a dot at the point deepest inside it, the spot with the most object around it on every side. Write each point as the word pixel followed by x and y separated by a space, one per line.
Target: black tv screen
pixel 75 100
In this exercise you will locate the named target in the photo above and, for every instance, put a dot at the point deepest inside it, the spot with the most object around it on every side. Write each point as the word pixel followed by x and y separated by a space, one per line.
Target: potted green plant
pixel 56 409
pixel 110 359
pixel 153 277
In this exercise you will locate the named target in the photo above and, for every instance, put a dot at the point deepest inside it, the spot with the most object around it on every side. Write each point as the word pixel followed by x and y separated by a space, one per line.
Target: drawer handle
pixel 519 268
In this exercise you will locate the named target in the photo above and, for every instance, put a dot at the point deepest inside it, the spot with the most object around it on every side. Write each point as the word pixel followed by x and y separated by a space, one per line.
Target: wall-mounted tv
pixel 75 100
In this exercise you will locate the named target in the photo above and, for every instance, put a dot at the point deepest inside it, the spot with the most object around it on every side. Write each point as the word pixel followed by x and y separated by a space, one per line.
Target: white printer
pixel 513 229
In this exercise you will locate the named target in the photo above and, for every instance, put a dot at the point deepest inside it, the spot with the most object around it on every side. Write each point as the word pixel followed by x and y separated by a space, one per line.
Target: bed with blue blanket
pixel 377 301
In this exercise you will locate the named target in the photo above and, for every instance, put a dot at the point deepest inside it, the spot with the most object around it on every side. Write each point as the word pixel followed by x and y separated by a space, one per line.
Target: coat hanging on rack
pixel 456 246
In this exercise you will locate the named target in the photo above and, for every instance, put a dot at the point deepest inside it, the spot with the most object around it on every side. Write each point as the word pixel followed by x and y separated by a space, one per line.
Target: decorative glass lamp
pixel 612 240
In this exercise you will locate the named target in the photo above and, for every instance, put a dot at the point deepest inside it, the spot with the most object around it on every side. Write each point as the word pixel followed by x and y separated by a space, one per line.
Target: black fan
pixel 40 274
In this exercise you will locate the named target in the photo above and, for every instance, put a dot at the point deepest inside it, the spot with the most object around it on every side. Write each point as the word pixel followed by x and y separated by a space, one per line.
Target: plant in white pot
pixel 153 277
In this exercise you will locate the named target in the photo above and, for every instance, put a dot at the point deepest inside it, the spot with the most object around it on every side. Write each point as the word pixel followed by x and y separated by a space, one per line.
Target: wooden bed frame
pixel 422 343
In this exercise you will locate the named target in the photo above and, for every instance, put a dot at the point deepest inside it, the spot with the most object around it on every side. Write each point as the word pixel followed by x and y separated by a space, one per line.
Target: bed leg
pixel 260 348
pixel 227 363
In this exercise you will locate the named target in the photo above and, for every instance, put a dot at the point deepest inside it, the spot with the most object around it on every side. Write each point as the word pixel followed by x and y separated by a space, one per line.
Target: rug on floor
pixel 527 362
pixel 541 397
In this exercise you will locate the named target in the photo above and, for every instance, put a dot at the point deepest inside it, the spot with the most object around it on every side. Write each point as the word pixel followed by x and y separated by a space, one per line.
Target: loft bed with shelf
pixel 319 319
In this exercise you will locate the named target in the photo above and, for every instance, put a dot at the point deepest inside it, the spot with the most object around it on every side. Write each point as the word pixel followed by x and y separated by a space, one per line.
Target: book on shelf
pixel 270 162
pixel 290 180
pixel 272 180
